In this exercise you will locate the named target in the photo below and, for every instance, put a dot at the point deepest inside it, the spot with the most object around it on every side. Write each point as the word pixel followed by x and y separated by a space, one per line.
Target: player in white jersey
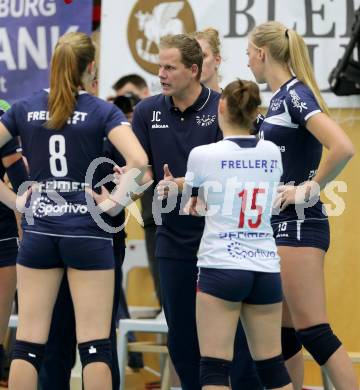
pixel 234 182
pixel 298 123
pixel 243 373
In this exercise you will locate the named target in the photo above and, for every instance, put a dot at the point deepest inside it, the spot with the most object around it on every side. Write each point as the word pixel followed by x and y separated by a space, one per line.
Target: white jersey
pixel 239 177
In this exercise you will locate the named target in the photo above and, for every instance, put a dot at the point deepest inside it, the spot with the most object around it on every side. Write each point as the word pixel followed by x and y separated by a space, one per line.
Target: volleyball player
pixel 12 164
pixel 244 375
pixel 239 268
pixel 209 42
pixel 62 132
pixel 298 122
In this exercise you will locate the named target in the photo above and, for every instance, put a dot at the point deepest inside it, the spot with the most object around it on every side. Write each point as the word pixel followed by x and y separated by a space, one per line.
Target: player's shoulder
pixel 269 147
pixel 88 100
pixel 204 150
pixel 296 90
pixel 35 100
pixel 99 108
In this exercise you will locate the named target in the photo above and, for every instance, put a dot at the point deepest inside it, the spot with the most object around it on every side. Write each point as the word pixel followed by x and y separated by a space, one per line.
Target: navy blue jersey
pixel 168 135
pixel 285 125
pixel 59 159
pixel 8 226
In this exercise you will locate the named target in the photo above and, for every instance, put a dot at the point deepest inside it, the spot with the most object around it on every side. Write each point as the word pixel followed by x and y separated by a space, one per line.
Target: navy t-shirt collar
pixel 199 103
pixel 244 141
pixel 283 86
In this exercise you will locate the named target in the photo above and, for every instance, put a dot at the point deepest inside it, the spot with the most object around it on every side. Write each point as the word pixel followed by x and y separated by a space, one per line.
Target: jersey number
pixel 244 197
pixel 58 163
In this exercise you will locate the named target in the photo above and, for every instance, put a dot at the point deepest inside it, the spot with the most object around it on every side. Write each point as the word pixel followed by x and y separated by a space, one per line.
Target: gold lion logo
pixel 149 21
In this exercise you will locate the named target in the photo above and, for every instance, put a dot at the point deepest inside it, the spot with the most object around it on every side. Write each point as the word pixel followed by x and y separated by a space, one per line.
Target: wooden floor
pixel 134 380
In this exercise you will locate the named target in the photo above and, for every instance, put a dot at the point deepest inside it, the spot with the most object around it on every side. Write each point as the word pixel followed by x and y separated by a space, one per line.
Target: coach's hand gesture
pixel 170 185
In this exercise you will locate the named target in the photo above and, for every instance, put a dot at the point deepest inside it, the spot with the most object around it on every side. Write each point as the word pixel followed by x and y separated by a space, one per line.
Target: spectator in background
pixel 126 103
pixel 131 83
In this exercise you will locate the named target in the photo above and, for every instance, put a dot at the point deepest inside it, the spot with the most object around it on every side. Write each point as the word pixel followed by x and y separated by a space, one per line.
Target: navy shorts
pixel 44 251
pixel 303 233
pixel 234 285
pixel 8 252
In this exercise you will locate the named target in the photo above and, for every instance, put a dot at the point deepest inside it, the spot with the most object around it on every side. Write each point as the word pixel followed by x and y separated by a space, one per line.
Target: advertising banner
pixel 131 31
pixel 29 30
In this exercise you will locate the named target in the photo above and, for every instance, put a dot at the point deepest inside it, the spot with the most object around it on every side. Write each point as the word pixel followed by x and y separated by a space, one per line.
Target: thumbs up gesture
pixel 168 186
pixel 167 174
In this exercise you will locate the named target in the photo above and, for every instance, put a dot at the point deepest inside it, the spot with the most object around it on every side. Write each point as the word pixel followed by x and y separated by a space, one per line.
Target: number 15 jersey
pixel 239 177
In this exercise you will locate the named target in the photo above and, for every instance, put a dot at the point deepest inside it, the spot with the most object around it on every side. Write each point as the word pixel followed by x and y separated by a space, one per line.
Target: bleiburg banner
pixel 131 31
pixel 29 30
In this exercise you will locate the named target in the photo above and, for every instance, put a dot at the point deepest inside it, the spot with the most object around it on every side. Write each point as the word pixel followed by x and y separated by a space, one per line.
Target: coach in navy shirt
pixel 169 126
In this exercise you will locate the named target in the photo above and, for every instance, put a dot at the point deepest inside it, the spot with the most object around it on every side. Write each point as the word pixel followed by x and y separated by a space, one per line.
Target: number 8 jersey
pixel 238 177
pixel 59 159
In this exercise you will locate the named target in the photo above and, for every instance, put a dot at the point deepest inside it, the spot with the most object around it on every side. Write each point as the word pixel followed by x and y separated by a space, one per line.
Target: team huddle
pixel 240 268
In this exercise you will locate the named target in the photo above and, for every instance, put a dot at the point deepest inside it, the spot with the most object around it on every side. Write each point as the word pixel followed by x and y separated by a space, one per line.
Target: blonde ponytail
pixel 301 66
pixel 73 53
pixel 287 46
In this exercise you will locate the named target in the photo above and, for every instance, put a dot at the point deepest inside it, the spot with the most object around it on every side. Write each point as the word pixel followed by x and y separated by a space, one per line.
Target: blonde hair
pixel 73 53
pixel 211 36
pixel 287 46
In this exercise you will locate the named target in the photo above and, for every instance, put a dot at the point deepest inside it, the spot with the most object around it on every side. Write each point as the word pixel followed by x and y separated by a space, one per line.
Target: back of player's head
pixel 242 101
pixel 189 48
pixel 211 36
pixel 286 46
pixel 73 53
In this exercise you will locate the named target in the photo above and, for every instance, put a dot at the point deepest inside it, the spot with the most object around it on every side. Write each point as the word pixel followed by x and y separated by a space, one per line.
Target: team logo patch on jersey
pixel 296 101
pixel 149 21
pixel 275 104
pixel 205 120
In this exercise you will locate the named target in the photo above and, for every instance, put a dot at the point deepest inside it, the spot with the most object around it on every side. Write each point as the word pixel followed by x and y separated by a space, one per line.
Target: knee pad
pixel 290 343
pixel 320 341
pixel 214 371
pixel 95 351
pixel 272 372
pixel 30 352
